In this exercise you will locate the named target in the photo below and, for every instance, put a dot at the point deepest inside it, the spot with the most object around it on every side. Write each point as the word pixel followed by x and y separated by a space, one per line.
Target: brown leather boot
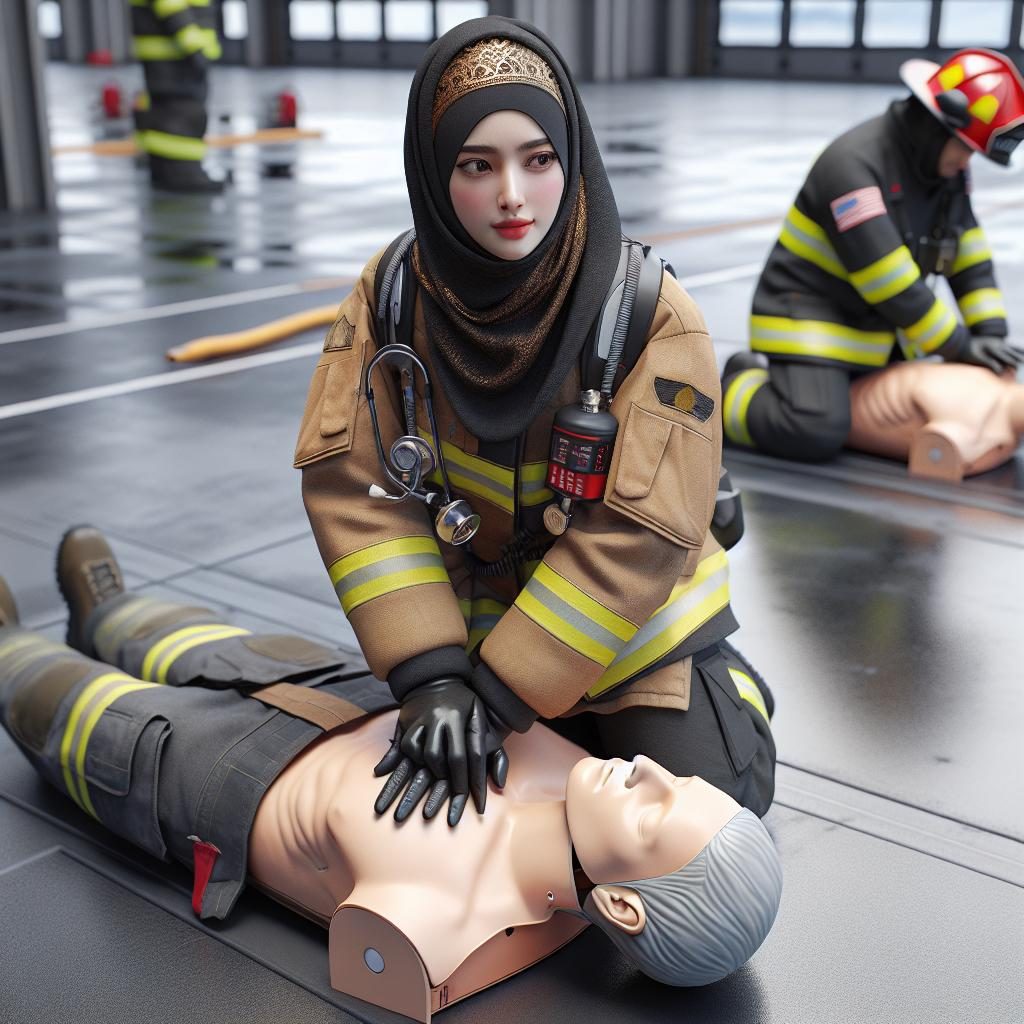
pixel 88 575
pixel 8 609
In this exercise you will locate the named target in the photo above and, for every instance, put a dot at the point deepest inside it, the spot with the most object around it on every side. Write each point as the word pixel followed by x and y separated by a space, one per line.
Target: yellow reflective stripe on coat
pixel 929 333
pixel 887 277
pixel 384 568
pixel 972 250
pixel 982 304
pixel 747 689
pixel 573 617
pixel 804 238
pixel 173 147
pixel 156 48
pixel 779 335
pixel 162 655
pixel 691 603
pixel 482 614
pixel 85 713
pixel 738 396
pixel 533 484
pixel 474 475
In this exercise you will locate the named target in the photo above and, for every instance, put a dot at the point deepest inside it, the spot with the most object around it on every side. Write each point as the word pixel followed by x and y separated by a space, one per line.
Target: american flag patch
pixel 857 206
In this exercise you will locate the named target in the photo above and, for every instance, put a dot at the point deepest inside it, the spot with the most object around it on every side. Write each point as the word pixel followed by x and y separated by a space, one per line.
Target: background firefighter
pixel 845 289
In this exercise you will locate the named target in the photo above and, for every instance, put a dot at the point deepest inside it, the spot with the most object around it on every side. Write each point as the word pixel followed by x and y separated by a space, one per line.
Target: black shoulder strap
pixel 595 351
pixel 394 291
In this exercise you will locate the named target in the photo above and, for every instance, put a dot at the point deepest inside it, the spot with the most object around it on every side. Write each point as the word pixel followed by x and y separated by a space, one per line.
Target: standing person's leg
pixel 176 126
pixel 794 410
pixel 724 736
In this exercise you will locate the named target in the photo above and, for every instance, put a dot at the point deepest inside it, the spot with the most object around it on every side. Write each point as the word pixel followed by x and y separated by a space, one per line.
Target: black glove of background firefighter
pixel 845 289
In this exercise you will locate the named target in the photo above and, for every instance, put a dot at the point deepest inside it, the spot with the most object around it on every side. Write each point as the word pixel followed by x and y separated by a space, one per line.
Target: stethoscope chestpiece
pixel 456 523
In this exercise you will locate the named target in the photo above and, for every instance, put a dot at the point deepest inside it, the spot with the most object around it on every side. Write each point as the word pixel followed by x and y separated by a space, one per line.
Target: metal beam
pixel 26 177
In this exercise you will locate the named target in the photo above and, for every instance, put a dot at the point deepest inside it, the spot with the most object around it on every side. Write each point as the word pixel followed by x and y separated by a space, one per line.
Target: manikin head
pixel 507 184
pixel 687 882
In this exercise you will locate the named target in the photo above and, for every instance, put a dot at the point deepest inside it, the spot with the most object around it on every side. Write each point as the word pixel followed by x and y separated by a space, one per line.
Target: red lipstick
pixel 514 228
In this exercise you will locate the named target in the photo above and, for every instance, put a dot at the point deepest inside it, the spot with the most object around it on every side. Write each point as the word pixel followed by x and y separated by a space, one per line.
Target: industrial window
pixel 750 23
pixel 897 23
pixel 311 19
pixel 409 20
pixel 454 12
pixel 969 23
pixel 359 19
pixel 48 15
pixel 822 22
pixel 236 19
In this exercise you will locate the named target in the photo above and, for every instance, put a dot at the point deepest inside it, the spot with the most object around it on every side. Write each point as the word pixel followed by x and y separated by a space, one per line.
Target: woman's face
pixel 506 186
pixel 633 819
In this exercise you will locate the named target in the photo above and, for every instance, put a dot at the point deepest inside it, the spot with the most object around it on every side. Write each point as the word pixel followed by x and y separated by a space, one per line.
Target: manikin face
pixel 506 186
pixel 631 820
pixel 954 158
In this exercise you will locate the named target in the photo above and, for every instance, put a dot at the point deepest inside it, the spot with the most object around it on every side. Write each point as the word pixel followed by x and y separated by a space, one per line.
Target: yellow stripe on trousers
pixel 166 651
pixel 85 713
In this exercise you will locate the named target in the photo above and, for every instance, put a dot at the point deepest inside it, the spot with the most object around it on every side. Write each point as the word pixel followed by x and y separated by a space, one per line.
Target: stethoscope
pixel 411 459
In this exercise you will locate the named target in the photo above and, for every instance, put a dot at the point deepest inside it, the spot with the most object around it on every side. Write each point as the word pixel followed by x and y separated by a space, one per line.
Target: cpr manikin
pixel 947 420
pixel 422 915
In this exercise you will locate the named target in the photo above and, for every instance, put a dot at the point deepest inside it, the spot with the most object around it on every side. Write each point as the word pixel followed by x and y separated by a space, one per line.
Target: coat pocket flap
pixel 644 441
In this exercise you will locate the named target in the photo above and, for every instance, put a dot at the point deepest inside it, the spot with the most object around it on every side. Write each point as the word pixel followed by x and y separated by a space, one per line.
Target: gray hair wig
pixel 709 917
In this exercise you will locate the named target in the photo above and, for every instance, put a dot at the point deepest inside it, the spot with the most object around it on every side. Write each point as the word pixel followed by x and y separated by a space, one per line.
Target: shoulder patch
pixel 856 207
pixel 340 335
pixel 684 397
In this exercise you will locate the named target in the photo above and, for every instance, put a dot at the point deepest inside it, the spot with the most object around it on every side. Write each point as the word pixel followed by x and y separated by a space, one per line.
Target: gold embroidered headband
pixel 492 62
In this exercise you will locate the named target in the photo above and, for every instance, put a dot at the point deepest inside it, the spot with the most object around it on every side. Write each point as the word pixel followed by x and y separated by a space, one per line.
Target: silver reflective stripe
pixel 819 245
pixel 811 340
pixel 486 481
pixel 875 284
pixel 565 611
pixel 671 614
pixel 386 567
pixel 736 407
pixel 944 323
pixel 121 624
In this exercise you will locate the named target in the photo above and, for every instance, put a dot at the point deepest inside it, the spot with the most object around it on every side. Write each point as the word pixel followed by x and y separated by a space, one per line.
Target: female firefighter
pixel 567 424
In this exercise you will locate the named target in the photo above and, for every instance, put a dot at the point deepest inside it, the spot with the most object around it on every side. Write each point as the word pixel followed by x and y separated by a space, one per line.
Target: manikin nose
pixel 650 772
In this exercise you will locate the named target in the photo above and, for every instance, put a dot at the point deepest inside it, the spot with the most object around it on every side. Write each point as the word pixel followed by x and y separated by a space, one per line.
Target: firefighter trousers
pixel 160 741
pixel 724 736
pixel 797 410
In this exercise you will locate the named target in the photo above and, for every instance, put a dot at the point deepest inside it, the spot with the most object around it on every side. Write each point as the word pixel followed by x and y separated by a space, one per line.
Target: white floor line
pixel 721 276
pixel 158 380
pixel 174 309
pixel 170 377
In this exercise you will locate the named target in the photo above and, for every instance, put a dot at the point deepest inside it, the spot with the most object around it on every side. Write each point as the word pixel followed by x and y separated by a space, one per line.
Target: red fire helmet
pixel 978 94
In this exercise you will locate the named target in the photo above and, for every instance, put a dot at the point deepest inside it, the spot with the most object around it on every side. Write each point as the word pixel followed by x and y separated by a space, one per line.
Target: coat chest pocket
pixel 329 417
pixel 660 477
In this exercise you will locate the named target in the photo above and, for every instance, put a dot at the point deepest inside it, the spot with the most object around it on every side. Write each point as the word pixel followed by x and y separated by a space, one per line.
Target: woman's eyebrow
pixel 493 149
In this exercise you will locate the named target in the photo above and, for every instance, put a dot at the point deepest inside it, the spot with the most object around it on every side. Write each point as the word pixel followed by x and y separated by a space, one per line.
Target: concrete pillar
pixel 26 176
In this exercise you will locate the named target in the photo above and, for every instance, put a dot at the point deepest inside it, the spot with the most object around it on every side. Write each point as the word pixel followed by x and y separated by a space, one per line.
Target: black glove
pixel 995 354
pixel 445 740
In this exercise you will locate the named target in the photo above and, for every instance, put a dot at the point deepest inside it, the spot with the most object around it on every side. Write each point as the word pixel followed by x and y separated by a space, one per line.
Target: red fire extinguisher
pixel 582 441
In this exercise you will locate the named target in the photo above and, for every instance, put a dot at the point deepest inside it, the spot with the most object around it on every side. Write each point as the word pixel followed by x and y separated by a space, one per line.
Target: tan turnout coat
pixel 631 579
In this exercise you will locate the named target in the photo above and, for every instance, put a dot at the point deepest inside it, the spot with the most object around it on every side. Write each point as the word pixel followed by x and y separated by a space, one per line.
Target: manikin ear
pixel 619 906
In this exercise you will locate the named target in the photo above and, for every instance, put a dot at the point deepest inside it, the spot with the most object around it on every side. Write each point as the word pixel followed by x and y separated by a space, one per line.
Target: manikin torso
pixel 948 420
pixel 316 843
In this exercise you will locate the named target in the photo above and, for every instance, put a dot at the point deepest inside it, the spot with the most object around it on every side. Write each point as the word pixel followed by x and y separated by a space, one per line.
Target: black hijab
pixel 484 284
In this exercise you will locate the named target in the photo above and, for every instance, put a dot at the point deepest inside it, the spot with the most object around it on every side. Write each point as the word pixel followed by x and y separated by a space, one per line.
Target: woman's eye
pixel 542 160
pixel 475 166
